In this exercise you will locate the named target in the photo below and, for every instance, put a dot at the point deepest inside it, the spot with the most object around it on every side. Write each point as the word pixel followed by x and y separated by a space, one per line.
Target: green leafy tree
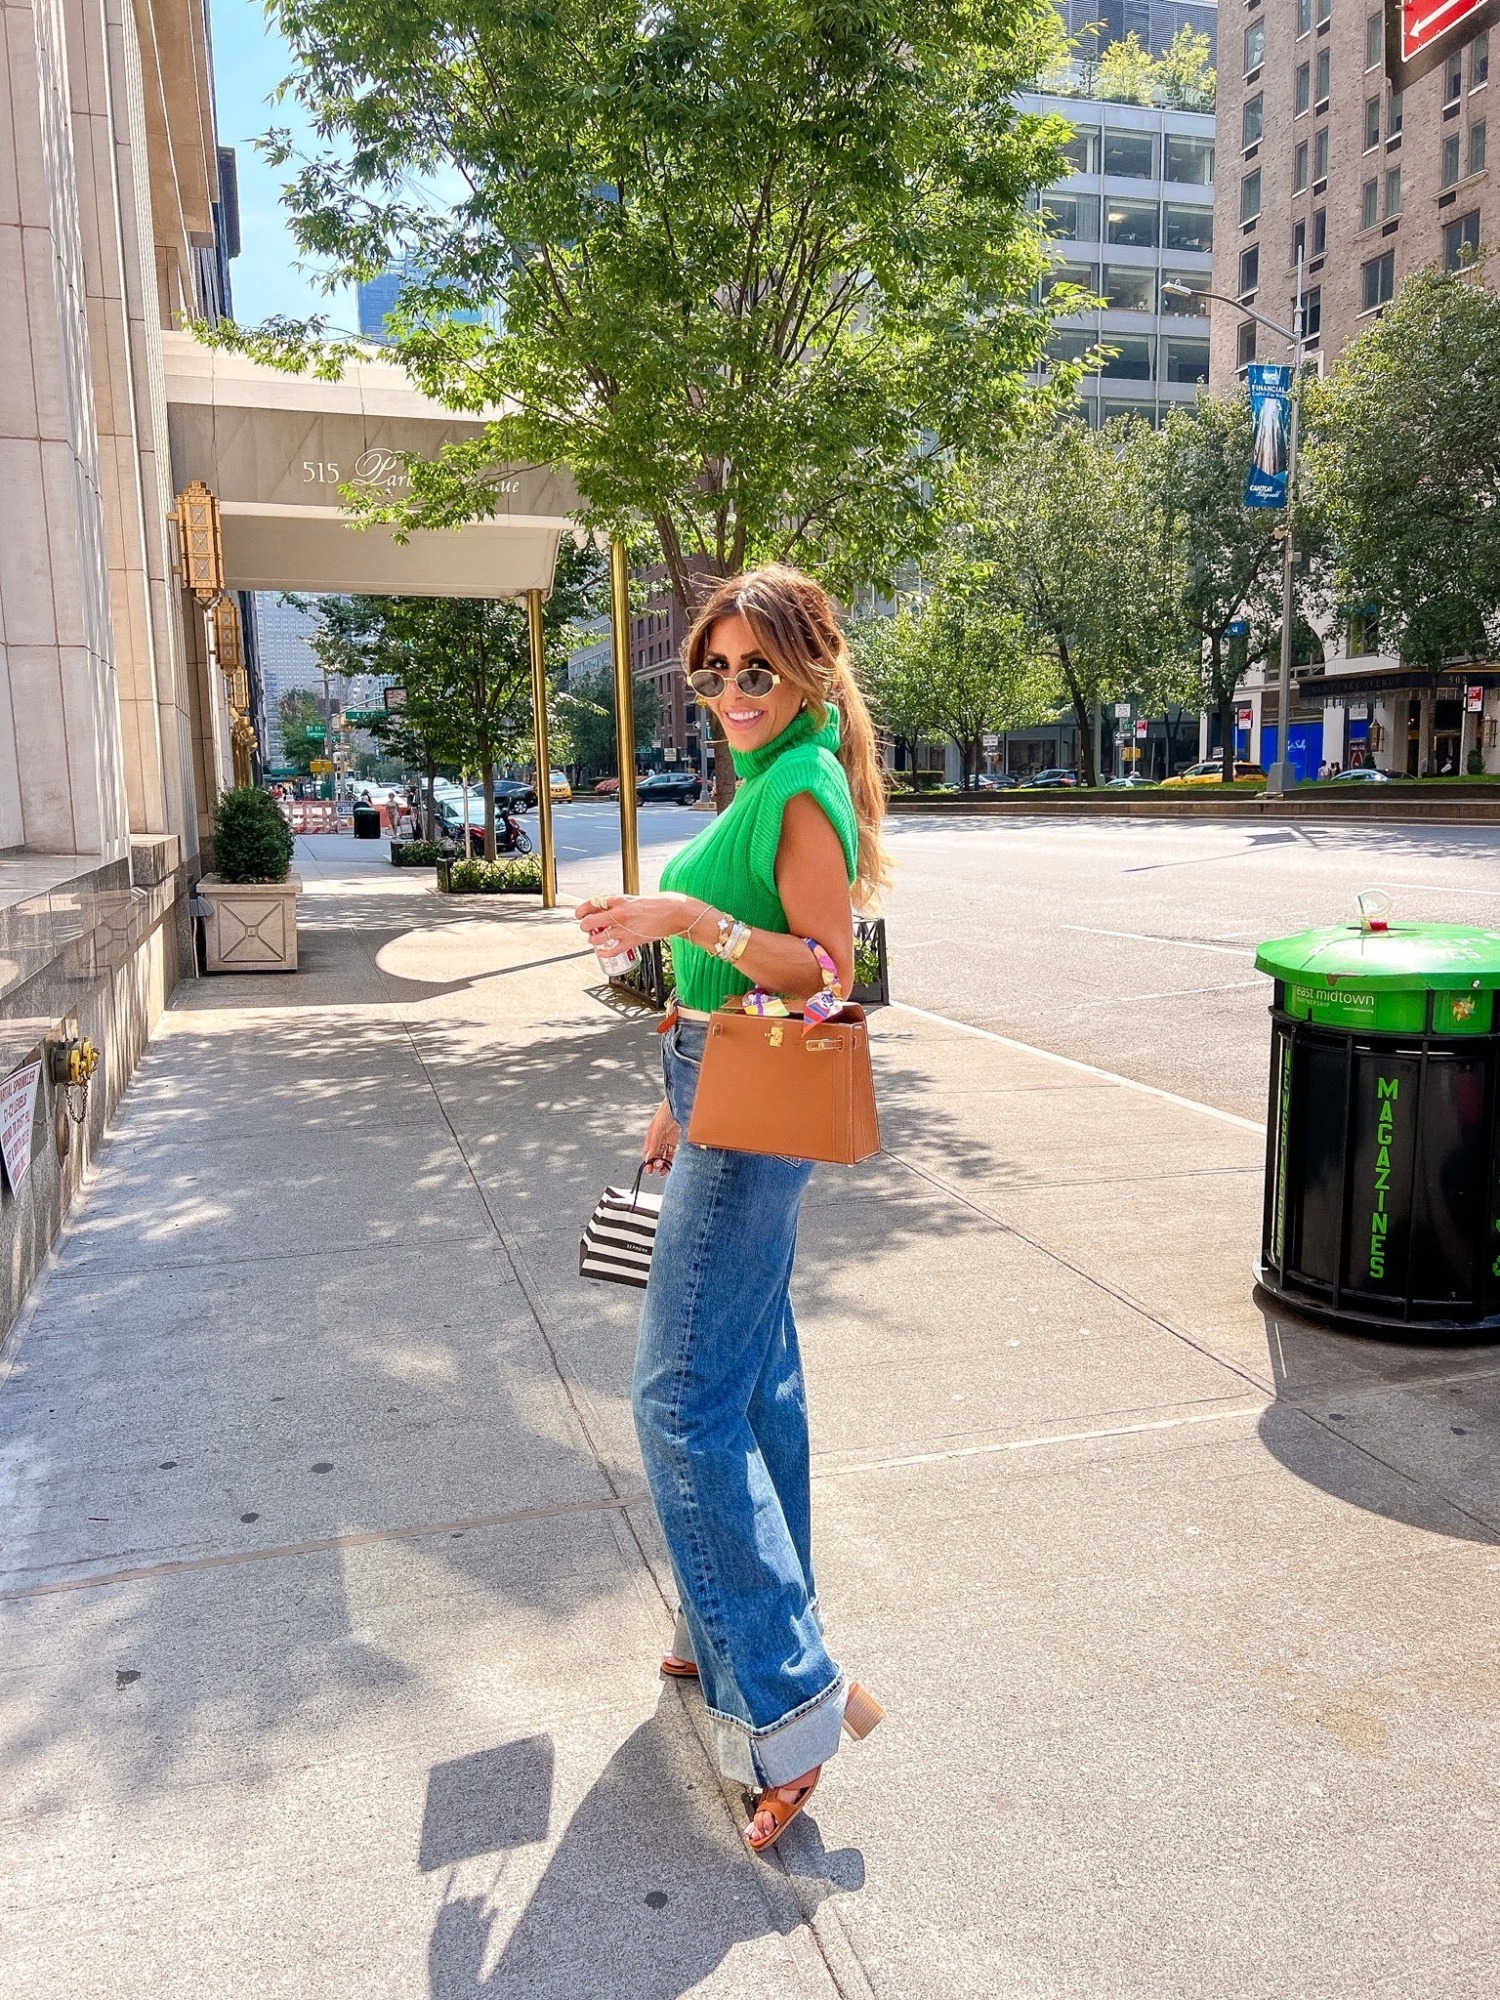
pixel 586 708
pixel 1076 547
pixel 300 712
pixel 744 270
pixel 1127 72
pixel 1185 71
pixel 893 675
pixel 1403 455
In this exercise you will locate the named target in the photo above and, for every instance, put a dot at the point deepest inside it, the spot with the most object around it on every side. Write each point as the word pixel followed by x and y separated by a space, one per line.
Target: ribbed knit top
pixel 732 863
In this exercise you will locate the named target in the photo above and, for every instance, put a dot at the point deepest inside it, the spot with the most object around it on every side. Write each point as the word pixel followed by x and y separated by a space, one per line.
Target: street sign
pixel 1142 727
pixel 1474 700
pixel 1420 34
pixel 395 698
pixel 1244 717
pixel 1237 628
pixel 1122 711
pixel 316 732
pixel 361 718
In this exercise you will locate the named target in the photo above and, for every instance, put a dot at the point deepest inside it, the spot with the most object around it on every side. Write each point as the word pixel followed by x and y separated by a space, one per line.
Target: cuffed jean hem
pixel 761 1758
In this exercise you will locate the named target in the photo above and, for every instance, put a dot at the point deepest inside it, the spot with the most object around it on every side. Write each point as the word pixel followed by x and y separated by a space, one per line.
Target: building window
pixel 1378 280
pixel 1082 151
pixel 1131 222
pixel 1249 269
pixel 1132 155
pixel 1461 241
pixel 1130 288
pixel 1479 60
pixel 1325 12
pixel 1255 46
pixel 1250 196
pixel 1364 633
pixel 1449 174
pixel 1132 360
pixel 1374 40
pixel 1188 228
pixel 1072 215
pixel 1187 360
pixel 1320 155
pixel 1304 18
pixel 1085 276
pixel 1312 313
pixel 1190 160
pixel 1369 204
pixel 1299 166
pixel 1197 283
pixel 1396 114
pixel 1320 231
pixel 1453 77
pixel 1320 86
pixel 1244 344
pixel 1252 120
pixel 1303 95
pixel 1372 122
pixel 1476 146
pixel 1299 243
pixel 1392 193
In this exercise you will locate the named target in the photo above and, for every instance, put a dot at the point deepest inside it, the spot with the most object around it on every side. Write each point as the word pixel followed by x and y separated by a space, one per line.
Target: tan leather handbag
pixel 768 1087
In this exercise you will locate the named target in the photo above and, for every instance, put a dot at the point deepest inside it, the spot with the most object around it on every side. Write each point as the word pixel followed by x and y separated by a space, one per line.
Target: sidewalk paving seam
pixel 1088 1069
pixel 1040 1443
pixel 363 1538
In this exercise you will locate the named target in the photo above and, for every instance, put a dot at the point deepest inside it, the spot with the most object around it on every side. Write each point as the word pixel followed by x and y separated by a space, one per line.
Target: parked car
pixel 1211 772
pixel 1131 781
pixel 1362 774
pixel 514 795
pixel 561 790
pixel 1052 779
pixel 998 781
pixel 669 788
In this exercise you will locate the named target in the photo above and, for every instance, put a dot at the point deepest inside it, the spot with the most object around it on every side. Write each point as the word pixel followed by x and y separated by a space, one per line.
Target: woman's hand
pixel 628 921
pixel 663 1136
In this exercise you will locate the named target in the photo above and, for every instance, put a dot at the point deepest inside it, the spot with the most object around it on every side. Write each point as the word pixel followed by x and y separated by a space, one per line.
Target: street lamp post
pixel 1281 777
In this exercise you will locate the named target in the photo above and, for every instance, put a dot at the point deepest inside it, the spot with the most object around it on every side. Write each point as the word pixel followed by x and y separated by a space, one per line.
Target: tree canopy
pixel 1404 459
pixel 752 272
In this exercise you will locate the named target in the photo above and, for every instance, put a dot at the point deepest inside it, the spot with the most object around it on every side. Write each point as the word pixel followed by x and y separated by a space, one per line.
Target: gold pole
pixel 543 753
pixel 619 614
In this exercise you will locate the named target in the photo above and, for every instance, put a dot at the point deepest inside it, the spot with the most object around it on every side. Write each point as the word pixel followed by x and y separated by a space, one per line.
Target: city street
pixel 1128 944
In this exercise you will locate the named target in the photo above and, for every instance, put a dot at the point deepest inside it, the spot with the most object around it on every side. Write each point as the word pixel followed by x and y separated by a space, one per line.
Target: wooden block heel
pixel 861 1712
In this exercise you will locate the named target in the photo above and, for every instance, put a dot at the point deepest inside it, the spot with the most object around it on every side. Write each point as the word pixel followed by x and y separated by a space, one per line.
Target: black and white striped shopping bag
pixel 621 1233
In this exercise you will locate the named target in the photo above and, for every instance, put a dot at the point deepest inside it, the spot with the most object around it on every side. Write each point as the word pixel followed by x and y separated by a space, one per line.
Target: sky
pixel 250 59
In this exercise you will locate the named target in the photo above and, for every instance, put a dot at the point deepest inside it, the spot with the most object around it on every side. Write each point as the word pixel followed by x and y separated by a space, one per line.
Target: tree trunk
pixel 1226 711
pixel 1080 716
pixel 487 771
pixel 431 793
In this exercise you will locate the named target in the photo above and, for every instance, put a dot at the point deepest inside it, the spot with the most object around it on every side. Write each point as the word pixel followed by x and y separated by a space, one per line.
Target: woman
pixel 719 1403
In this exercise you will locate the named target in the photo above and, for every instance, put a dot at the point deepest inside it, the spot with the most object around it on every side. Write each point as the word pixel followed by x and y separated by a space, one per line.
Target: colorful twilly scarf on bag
pixel 824 1006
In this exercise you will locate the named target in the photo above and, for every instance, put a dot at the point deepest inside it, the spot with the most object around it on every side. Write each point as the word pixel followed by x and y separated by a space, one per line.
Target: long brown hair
pixel 796 626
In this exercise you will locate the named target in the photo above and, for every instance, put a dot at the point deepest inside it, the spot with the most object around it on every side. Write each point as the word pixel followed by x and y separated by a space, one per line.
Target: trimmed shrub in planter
pixel 415 854
pixel 872 972
pixel 251 925
pixel 511 875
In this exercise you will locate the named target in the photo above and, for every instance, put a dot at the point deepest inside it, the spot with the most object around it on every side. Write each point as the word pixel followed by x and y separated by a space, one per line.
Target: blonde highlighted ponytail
pixel 796 625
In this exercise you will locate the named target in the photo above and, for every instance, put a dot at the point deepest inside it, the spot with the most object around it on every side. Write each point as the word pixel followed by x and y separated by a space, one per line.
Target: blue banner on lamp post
pixel 1270 407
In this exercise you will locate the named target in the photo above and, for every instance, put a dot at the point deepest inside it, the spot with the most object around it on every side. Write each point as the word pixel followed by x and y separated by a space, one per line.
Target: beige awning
pixel 276 448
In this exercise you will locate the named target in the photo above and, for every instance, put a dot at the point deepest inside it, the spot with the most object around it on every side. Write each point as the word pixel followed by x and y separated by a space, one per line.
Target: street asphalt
pixel 331 1600
pixel 1128 944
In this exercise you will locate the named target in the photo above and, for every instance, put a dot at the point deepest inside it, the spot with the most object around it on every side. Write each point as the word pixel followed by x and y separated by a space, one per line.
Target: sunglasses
pixel 710 683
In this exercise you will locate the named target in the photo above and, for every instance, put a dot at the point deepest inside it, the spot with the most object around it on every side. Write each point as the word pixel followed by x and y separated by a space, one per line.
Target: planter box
pixel 250 926
pixel 869 932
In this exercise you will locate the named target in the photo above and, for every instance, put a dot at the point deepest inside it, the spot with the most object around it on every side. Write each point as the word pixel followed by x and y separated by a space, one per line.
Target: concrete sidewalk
pixel 330 1603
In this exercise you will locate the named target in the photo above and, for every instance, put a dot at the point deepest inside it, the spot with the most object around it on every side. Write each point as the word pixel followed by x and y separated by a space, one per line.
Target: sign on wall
pixel 1420 34
pixel 17 1115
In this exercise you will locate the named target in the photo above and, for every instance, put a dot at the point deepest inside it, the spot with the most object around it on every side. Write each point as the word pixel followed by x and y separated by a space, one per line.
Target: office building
pixel 1323 165
pixel 379 296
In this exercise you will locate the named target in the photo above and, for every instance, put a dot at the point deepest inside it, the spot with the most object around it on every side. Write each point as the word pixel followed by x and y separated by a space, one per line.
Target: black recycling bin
pixel 1382 1209
pixel 367 823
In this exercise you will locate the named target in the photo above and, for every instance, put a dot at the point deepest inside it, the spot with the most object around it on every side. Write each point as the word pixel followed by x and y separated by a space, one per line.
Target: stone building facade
pixel 113 732
pixel 1322 163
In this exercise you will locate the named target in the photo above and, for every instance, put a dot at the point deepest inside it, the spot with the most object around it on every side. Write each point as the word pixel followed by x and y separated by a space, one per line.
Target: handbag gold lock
pixel 774 1037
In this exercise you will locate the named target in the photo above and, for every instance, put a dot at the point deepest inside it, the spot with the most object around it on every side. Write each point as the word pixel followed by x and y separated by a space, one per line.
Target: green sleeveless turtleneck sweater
pixel 732 863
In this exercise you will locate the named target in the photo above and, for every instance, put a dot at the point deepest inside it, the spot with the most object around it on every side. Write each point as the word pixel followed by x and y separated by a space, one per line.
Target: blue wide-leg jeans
pixel 722 1421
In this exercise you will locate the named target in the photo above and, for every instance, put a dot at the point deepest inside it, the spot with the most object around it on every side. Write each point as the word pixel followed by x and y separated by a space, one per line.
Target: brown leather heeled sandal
pixel 679 1670
pixel 861 1713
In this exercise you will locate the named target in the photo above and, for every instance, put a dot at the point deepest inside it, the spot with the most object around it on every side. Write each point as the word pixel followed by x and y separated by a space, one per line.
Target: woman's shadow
pixel 647 1891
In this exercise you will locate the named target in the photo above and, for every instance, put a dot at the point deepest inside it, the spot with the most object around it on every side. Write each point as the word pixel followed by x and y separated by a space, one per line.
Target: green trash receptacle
pixel 1382 1206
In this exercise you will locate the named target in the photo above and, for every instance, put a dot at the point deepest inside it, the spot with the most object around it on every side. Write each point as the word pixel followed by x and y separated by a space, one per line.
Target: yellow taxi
pixel 560 789
pixel 1212 773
